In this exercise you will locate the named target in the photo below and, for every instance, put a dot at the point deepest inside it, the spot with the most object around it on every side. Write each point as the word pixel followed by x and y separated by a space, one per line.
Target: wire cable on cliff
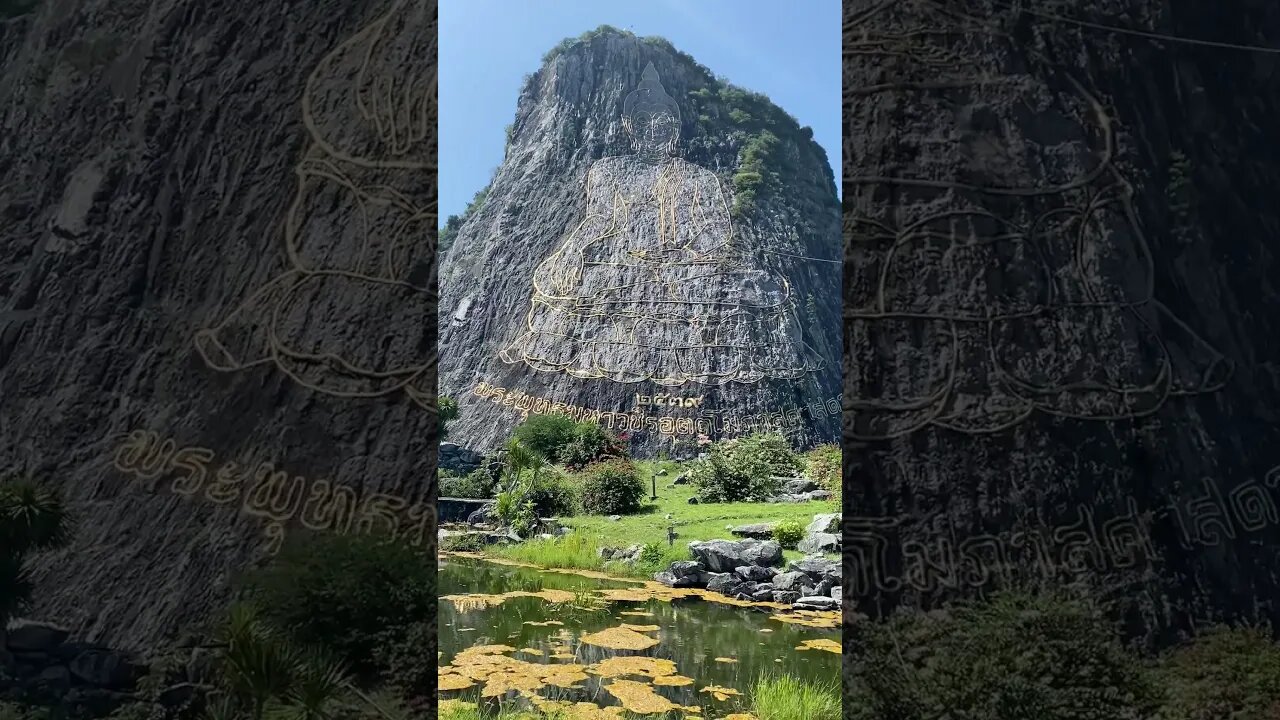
pixel 1151 35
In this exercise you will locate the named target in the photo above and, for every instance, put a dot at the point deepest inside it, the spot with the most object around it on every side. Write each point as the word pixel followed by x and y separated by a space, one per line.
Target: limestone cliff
pixel 658 252
pixel 216 272
pixel 1060 305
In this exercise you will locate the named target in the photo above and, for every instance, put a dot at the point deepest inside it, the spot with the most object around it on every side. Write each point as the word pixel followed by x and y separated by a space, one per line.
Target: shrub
pixel 1223 673
pixel 1017 656
pixel 552 494
pixel 744 469
pixel 476 484
pixel 611 487
pixel 788 533
pixel 546 435
pixel 823 466
pixel 461 543
pixel 591 442
pixel 767 452
pixel 348 594
pixel 448 410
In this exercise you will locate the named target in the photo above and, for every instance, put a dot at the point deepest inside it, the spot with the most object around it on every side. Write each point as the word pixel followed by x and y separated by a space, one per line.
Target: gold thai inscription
pixel 272 495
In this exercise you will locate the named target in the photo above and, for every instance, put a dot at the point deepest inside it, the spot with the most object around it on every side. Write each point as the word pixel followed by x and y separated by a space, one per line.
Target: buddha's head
pixel 651 117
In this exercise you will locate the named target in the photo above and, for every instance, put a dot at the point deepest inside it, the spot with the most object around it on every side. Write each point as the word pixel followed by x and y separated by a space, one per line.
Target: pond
pixel 593 645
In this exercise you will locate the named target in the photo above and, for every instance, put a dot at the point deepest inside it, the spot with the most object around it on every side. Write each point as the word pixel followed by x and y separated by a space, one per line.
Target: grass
pixel 649 527
pixel 786 698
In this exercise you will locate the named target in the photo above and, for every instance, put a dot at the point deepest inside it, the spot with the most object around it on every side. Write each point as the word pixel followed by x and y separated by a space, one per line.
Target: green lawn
pixel 649 526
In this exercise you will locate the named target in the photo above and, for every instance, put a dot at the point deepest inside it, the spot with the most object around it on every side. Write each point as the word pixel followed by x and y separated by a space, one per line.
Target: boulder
pixel 723 583
pixel 799 486
pixel 693 500
pixel 681 479
pixel 786 597
pixel 755 573
pixel 762 595
pixel 789 580
pixel 104 669
pixel 816 602
pixel 824 586
pixel 824 523
pixel 628 554
pixel 451 456
pixel 820 543
pixel 815 567
pixel 837 593
pixel 670 580
pixel 725 555
pixel 816 495
pixel 30 636
pixel 759 531
pixel 687 568
pixel 765 553
pixel 54 677
pixel 483 516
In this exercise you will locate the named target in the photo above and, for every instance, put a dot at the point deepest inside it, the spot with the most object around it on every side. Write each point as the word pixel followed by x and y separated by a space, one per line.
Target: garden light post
pixel 654 477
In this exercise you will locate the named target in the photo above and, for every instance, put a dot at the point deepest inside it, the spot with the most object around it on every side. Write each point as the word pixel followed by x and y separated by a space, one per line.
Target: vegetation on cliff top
pixel 770 141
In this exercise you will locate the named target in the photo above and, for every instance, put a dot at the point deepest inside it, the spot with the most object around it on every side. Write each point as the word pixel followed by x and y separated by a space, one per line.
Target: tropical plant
pixel 346 594
pixel 258 665
pixel 516 511
pixel 611 487
pixel 31 519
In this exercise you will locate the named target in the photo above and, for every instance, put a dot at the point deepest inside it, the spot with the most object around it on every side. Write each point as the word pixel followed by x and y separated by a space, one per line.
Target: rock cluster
pixel 822 535
pixel 39 665
pixel 628 554
pixel 751 569
pixel 459 459
pixel 799 490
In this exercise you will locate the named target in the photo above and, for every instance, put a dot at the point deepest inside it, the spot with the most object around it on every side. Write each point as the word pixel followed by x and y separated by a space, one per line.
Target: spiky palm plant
pixel 260 665
pixel 320 681
pixel 30 519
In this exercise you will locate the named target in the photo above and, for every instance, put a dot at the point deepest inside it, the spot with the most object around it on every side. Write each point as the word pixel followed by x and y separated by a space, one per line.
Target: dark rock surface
pixel 759 531
pixel 152 153
pixel 725 555
pixel 1070 365
pixel 568 124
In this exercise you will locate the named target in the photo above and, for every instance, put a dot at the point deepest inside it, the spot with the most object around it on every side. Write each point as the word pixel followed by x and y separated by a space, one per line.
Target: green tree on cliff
pixel 448 408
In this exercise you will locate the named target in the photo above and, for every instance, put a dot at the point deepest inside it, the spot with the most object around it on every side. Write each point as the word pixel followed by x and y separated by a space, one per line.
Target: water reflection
pixel 698 636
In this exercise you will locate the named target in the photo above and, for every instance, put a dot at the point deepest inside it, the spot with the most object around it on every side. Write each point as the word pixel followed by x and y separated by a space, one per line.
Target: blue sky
pixel 788 51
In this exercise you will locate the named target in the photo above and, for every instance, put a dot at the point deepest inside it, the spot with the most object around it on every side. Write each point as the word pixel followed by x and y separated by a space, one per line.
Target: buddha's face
pixel 654 133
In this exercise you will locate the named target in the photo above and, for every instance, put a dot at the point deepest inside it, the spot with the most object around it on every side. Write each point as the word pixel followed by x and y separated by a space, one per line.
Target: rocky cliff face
pixel 658 252
pixel 1060 304
pixel 216 257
